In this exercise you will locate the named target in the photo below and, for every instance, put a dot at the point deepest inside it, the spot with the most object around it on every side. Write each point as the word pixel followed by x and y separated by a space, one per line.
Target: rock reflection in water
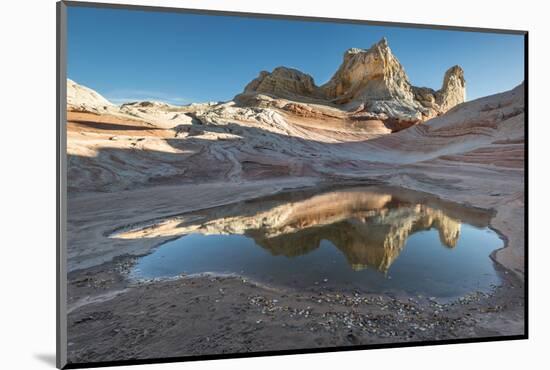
pixel 367 240
pixel 370 226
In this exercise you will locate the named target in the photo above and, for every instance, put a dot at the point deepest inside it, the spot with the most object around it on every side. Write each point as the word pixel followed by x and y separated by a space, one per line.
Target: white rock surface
pixel 81 98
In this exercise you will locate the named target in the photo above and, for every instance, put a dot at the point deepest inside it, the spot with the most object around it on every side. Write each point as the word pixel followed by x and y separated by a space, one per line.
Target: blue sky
pixel 182 58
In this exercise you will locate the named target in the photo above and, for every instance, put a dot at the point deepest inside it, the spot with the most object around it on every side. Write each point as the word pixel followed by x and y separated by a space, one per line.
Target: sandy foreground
pixel 472 156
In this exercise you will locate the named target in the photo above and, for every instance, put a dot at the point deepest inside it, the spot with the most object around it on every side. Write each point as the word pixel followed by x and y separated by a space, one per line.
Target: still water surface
pixel 371 239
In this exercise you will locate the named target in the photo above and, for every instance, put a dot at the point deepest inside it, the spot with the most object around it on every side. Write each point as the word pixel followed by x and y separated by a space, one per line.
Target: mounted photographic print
pixel 234 184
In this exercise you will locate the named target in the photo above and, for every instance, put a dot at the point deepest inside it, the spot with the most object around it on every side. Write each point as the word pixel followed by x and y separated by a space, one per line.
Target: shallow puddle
pixel 373 239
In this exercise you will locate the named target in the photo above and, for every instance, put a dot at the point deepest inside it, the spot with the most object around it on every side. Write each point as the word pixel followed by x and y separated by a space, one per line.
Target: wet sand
pixel 215 315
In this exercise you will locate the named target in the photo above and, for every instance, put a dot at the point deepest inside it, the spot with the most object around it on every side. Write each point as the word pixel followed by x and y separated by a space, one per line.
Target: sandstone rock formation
pixel 81 98
pixel 232 142
pixel 369 83
pixel 369 75
pixel 146 104
pixel 285 83
pixel 452 93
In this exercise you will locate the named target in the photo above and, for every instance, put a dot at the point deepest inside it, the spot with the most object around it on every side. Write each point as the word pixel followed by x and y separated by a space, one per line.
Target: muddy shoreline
pixel 205 314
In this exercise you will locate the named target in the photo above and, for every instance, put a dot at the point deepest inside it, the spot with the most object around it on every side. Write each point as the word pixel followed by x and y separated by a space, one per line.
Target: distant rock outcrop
pixel 81 98
pixel 369 75
pixel 453 91
pixel 146 104
pixel 283 82
pixel 369 81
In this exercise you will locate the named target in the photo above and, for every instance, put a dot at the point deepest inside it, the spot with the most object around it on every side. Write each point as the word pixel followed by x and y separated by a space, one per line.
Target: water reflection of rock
pixel 369 227
pixel 367 239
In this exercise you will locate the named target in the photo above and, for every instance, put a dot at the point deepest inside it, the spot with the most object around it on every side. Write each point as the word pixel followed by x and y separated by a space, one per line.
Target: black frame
pixel 61 195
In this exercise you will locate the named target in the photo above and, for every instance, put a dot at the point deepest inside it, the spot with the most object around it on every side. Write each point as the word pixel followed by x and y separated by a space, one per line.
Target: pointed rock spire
pixel 373 79
pixel 453 91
